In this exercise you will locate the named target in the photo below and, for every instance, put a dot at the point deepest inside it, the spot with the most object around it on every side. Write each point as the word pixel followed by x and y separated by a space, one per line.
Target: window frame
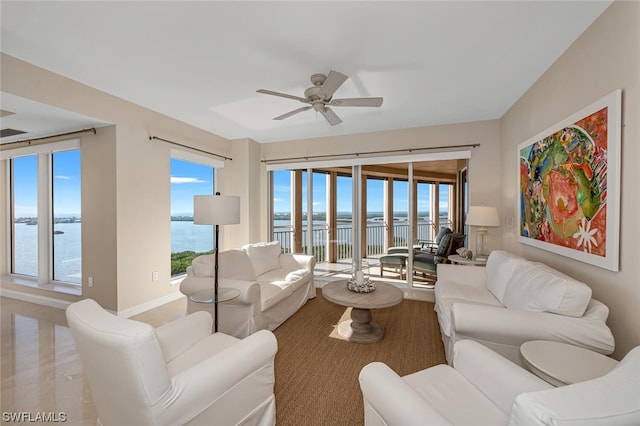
pixel 45 264
pixel 202 160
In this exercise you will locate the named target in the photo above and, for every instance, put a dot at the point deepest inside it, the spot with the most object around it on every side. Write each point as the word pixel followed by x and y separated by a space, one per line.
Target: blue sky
pixel 66 184
pixel 188 179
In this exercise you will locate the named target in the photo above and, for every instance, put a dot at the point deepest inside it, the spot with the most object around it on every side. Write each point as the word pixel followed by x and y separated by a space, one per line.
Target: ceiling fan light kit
pixel 320 97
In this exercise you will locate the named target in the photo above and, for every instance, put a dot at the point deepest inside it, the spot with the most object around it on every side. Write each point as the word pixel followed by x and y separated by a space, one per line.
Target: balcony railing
pixel 344 241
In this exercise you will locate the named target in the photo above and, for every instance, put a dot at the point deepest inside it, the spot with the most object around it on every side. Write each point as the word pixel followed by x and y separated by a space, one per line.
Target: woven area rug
pixel 317 371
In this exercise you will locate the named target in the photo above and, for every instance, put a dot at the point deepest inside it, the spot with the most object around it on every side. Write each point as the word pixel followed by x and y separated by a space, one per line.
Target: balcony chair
pixel 426 262
pixel 176 374
pixel 484 388
pixel 431 246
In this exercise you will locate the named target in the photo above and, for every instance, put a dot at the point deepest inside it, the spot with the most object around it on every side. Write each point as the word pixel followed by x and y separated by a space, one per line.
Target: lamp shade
pixel 216 209
pixel 482 216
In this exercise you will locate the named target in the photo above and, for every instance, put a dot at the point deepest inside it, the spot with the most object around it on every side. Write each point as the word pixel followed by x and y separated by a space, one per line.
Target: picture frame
pixel 569 185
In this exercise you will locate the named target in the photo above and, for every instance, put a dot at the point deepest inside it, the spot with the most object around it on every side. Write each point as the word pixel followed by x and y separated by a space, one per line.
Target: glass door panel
pixel 425 220
pixel 401 213
pixel 376 226
pixel 281 206
pixel 344 218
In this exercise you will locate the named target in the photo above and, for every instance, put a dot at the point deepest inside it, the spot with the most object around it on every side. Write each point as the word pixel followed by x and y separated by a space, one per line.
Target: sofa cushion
pixel 537 287
pixel 500 267
pixel 264 257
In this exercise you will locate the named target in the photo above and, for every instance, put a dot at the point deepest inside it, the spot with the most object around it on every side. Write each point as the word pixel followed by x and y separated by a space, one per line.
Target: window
pixel 45 201
pixel 24 208
pixel 67 236
pixel 188 240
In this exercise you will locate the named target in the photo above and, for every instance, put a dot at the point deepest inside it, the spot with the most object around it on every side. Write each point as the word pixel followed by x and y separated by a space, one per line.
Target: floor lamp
pixel 483 217
pixel 216 210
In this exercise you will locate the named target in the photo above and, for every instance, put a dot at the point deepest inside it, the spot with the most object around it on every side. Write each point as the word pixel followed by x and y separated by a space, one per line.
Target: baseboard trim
pixel 35 298
pixel 63 304
pixel 143 307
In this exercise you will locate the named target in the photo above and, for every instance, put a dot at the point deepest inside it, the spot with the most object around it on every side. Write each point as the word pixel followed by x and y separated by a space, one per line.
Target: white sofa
pixel 484 388
pixel 513 300
pixel 273 286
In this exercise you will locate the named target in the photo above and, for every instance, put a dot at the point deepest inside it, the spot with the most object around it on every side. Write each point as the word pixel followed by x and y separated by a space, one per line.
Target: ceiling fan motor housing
pixel 318 79
pixel 314 94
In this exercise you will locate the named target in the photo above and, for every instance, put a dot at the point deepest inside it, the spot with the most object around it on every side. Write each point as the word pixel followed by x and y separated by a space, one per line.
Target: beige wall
pixel 241 177
pixel 125 187
pixel 606 57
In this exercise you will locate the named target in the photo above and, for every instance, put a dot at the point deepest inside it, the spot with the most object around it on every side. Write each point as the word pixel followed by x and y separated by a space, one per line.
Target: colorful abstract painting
pixel 569 185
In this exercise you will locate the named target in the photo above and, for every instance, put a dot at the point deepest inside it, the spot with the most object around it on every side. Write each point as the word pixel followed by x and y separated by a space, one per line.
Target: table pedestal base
pixel 361 328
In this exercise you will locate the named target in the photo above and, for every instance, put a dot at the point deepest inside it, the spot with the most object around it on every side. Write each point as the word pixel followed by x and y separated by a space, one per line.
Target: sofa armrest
pixel 389 400
pixel 466 274
pixel 514 327
pixel 499 379
pixel 177 336
pixel 202 385
pixel 249 290
pixel 297 261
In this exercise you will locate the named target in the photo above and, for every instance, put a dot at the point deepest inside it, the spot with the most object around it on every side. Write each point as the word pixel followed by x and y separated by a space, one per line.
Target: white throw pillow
pixel 500 267
pixel 264 257
pixel 537 287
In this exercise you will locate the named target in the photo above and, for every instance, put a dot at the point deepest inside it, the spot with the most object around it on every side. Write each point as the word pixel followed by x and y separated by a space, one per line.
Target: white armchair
pixel 484 388
pixel 176 374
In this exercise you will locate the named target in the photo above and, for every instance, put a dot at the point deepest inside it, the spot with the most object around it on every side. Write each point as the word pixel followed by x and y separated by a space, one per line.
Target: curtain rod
pixel 357 154
pixel 28 141
pixel 189 147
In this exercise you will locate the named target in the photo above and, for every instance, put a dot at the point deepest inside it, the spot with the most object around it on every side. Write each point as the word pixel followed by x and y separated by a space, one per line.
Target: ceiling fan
pixel 320 97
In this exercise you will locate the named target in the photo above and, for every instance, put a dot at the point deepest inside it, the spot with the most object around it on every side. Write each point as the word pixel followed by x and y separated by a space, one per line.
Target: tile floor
pixel 41 371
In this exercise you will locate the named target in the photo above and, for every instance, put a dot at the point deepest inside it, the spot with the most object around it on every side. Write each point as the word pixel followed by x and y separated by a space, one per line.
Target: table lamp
pixel 483 217
pixel 216 210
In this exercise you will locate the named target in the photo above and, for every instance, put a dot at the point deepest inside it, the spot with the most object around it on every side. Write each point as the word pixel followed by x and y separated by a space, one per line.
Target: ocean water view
pixel 67 263
pixel 185 236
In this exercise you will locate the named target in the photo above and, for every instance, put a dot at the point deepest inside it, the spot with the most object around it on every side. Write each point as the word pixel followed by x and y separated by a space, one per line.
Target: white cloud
pixel 179 180
pixel 62 177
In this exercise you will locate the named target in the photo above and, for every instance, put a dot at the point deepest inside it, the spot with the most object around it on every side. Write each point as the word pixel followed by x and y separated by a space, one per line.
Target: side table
pixel 564 364
pixel 455 258
pixel 208 296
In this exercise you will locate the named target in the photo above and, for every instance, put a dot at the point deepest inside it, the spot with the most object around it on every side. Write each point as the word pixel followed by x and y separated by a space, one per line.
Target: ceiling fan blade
pixel 331 116
pixel 290 113
pixel 283 95
pixel 332 83
pixel 357 102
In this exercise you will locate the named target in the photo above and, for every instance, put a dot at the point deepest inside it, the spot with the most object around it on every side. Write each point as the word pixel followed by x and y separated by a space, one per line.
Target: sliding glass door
pixel 346 213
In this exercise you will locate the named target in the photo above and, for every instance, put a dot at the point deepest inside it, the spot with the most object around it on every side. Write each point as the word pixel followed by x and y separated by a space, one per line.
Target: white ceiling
pixel 201 62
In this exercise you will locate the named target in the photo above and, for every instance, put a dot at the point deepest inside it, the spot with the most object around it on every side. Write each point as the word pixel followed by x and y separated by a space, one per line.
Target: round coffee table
pixel 361 328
